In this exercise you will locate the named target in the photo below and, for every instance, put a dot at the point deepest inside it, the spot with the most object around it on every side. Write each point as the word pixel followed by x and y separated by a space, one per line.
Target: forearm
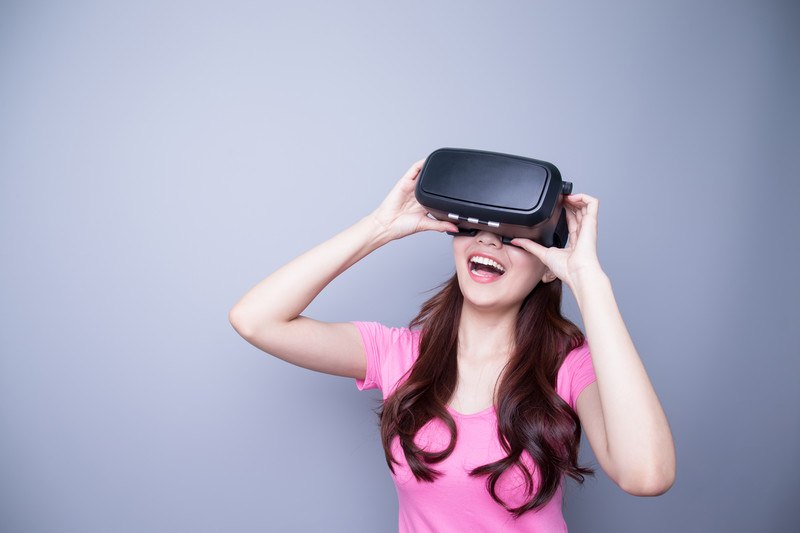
pixel 639 439
pixel 285 293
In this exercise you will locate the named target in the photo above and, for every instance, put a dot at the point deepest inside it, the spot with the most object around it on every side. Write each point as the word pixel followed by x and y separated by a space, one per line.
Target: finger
pixel 432 224
pixel 574 202
pixel 408 181
pixel 592 208
pixel 578 215
pixel 589 204
pixel 581 197
pixel 572 226
pixel 414 170
pixel 588 213
pixel 528 245
pixel 572 221
pixel 580 204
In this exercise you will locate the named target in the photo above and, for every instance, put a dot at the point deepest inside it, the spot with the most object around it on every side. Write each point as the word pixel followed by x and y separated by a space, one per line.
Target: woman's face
pixel 493 275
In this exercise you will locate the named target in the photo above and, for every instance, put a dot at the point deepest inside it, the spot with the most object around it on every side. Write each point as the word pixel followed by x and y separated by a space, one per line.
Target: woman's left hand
pixel 581 250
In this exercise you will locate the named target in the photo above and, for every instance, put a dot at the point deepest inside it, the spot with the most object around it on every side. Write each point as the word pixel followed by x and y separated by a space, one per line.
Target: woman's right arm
pixel 268 315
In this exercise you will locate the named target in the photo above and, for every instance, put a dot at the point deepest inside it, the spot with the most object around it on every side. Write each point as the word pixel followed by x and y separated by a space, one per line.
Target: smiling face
pixel 493 275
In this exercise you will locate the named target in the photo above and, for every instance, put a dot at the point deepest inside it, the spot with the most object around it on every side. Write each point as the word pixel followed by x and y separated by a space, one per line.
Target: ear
pixel 548 276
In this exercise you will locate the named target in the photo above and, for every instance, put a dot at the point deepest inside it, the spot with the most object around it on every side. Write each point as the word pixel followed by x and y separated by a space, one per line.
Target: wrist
pixel 378 232
pixel 585 280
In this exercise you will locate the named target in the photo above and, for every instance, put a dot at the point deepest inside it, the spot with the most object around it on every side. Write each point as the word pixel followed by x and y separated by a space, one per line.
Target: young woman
pixel 486 393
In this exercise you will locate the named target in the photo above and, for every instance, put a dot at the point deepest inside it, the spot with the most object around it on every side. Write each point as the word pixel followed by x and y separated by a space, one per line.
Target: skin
pixel 620 413
pixel 488 315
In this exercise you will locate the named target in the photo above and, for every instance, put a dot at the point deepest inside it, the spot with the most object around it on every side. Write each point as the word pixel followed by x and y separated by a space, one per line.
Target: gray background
pixel 160 158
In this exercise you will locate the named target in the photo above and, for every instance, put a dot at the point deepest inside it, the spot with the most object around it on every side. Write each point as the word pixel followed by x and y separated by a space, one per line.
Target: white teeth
pixel 486 261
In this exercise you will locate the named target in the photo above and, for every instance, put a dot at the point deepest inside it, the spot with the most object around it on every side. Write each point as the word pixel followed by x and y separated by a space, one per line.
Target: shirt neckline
pixel 486 411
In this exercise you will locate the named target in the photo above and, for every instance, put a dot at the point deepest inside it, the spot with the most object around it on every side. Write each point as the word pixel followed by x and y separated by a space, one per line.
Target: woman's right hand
pixel 400 214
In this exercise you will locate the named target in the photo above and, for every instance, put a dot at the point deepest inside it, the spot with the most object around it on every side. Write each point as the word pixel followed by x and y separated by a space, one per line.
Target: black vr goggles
pixel 509 195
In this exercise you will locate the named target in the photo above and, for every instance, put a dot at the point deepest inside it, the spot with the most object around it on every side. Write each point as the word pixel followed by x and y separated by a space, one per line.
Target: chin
pixel 490 304
pixel 486 297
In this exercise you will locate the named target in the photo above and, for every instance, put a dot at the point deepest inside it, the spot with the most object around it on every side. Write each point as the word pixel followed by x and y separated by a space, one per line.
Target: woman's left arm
pixel 622 407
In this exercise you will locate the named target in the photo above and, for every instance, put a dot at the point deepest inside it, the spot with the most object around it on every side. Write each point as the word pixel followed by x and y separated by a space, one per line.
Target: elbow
pixel 239 323
pixel 649 484
pixel 260 332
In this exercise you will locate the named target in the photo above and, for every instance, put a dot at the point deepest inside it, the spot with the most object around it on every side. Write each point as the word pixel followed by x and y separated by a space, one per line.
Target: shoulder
pixel 577 356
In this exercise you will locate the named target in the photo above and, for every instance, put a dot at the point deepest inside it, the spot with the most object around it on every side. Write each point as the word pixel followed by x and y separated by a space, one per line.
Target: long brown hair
pixel 531 416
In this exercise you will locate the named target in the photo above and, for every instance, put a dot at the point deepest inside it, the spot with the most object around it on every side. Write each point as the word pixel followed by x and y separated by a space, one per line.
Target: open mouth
pixel 485 269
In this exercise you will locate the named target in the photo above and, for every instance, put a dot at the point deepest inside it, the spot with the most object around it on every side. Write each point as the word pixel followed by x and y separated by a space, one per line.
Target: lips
pixel 484 269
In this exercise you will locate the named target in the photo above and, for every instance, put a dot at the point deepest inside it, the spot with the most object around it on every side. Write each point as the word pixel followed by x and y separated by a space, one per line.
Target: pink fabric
pixel 457 502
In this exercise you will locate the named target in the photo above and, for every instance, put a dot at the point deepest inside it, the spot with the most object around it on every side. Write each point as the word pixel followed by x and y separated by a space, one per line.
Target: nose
pixel 489 239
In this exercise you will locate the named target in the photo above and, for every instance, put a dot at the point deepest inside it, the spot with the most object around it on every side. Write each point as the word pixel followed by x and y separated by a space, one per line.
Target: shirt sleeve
pixel 581 371
pixel 373 337
pixel 390 354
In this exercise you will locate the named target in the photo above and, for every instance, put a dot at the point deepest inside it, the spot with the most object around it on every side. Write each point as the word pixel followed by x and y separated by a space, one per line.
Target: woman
pixel 485 401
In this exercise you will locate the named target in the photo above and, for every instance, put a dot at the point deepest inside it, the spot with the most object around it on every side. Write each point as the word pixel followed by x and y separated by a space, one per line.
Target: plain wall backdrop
pixel 158 159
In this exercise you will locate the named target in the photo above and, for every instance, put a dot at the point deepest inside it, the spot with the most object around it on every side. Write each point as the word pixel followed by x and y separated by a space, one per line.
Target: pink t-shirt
pixel 457 502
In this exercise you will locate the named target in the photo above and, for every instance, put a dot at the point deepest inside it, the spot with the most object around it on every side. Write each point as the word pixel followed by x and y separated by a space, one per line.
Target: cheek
pixel 531 282
pixel 459 251
pixel 529 272
pixel 524 262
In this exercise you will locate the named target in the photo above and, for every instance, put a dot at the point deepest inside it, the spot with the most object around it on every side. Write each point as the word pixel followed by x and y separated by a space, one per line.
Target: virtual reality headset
pixel 510 195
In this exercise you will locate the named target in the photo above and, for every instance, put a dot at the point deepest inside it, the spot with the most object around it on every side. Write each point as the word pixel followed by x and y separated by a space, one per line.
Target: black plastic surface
pixel 515 184
pixel 520 196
